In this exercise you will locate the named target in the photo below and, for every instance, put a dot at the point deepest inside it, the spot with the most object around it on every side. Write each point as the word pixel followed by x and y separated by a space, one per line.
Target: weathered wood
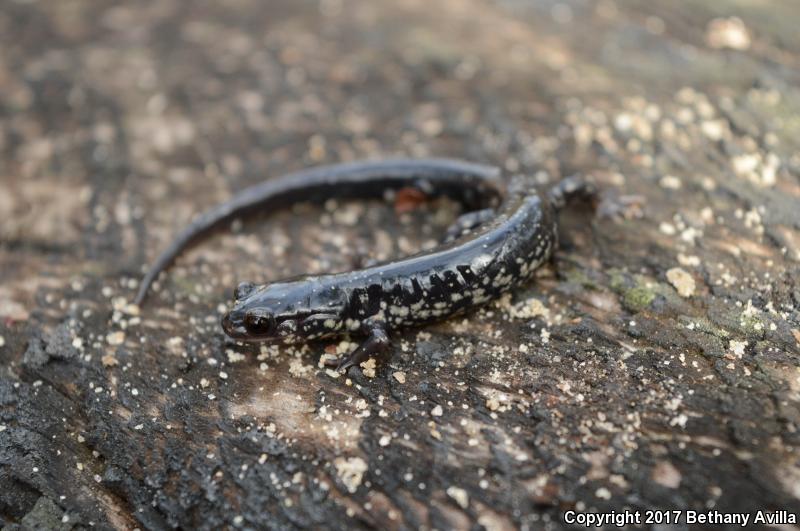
pixel 654 364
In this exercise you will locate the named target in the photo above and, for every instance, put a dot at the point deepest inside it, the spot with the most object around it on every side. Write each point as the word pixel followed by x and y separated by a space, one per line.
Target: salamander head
pixel 290 311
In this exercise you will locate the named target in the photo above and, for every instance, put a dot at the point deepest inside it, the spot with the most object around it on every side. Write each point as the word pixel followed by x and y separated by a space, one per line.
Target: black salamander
pixel 487 252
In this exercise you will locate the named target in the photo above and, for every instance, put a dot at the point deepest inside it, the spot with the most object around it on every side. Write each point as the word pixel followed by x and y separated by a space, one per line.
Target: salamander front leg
pixel 468 222
pixel 377 341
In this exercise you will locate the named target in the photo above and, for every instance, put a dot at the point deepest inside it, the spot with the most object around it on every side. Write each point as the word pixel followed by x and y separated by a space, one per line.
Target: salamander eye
pixel 243 290
pixel 259 322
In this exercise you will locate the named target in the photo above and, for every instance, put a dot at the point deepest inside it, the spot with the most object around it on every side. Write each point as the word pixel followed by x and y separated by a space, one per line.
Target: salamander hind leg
pixel 570 189
pixel 377 342
pixel 468 222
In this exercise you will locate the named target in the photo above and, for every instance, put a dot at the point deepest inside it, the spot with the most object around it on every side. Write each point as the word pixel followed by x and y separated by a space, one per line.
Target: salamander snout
pixel 233 324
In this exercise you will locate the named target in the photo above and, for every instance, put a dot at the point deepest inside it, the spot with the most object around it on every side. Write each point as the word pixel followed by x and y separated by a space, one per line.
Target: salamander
pixel 507 233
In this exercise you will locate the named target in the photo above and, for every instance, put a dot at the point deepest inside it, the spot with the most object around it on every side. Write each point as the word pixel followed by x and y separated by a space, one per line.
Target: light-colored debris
pixel 116 338
pixel 529 309
pixel 737 347
pixel 665 474
pixel 233 356
pixel 688 260
pixel 351 471
pixel 298 369
pixel 679 420
pixel 728 33
pixel 175 345
pixel 369 367
pixel 459 495
pixel 682 281
pixel 670 182
pixel 603 493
